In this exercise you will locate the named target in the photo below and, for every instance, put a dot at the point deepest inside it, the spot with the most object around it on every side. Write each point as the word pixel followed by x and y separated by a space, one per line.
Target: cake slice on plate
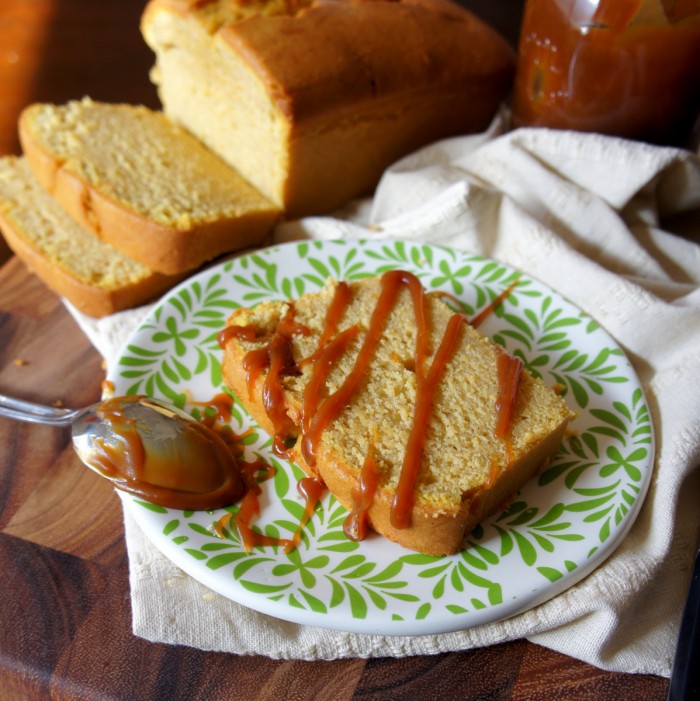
pixel 414 420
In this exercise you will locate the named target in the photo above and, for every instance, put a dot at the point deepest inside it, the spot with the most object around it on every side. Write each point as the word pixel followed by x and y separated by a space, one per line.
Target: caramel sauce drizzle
pixel 332 406
pixel 488 310
pixel 330 348
pixel 450 299
pixel 494 472
pixel 250 509
pixel 340 301
pixel 277 357
pixel 247 332
pixel 318 412
pixel 311 489
pixel 355 525
pixel 404 498
pixel 254 363
pixel 311 397
pixel 280 364
pixel 218 421
pixel 222 404
pixel 509 372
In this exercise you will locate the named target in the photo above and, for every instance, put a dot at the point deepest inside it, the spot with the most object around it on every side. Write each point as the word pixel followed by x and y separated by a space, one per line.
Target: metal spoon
pixel 145 447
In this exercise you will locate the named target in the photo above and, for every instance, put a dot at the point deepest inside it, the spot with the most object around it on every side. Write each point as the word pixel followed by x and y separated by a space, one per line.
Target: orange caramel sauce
pixel 622 67
pixel 318 412
pixel 331 407
pixel 488 310
pixel 509 372
pixel 311 489
pixel 402 505
pixel 149 474
pixel 355 525
pixel 247 332
pixel 250 509
pixel 222 403
pixel 310 430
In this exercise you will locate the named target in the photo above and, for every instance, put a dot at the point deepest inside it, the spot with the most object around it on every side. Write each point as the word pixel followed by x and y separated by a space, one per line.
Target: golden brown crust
pixel 382 79
pixel 93 276
pixel 373 50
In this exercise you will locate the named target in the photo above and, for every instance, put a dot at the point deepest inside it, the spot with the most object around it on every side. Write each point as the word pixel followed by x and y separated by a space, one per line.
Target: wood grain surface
pixel 65 618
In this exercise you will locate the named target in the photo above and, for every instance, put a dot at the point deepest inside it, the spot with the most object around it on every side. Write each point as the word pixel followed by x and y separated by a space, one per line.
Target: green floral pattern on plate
pixel 557 530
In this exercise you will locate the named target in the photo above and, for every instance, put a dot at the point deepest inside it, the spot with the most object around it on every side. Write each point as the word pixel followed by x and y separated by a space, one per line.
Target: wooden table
pixel 65 618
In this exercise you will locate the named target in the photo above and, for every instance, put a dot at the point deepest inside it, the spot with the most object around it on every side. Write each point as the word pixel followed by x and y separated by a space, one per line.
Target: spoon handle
pixel 22 410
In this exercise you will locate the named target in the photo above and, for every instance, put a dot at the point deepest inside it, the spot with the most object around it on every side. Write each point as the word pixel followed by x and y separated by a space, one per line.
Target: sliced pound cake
pixel 96 278
pixel 378 380
pixel 312 100
pixel 143 184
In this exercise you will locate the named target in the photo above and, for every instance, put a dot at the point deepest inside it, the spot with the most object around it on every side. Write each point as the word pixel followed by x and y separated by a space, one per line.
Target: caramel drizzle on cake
pixel 277 357
pixel 509 370
pixel 355 525
pixel 428 382
pixel 317 412
pixel 331 406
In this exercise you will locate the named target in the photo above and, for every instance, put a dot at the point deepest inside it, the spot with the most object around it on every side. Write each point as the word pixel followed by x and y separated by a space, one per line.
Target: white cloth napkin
pixel 590 216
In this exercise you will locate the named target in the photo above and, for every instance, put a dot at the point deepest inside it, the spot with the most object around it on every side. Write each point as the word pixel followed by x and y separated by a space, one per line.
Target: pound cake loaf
pixel 413 419
pixel 312 100
pixel 142 183
pixel 92 275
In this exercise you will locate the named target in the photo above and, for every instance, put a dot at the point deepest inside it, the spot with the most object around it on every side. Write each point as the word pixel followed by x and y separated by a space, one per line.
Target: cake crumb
pixel 20 362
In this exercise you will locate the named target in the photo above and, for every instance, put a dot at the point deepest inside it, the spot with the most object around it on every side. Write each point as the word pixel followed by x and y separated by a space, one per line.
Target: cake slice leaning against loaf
pixel 96 278
pixel 143 184
pixel 377 378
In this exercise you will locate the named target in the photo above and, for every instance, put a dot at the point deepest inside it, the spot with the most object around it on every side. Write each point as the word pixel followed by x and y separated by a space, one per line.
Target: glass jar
pixel 624 67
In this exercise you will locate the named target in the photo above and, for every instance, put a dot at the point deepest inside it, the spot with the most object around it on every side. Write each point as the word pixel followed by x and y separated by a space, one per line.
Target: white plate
pixel 560 527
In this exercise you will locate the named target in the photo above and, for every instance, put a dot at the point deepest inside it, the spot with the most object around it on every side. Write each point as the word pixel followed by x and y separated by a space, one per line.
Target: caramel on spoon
pixel 146 447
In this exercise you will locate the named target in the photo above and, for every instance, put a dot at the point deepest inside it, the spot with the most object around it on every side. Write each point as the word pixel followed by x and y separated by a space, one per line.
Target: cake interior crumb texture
pixel 141 159
pixel 48 229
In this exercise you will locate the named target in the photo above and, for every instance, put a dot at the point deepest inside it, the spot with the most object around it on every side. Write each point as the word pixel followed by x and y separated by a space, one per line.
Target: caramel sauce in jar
pixel 627 68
